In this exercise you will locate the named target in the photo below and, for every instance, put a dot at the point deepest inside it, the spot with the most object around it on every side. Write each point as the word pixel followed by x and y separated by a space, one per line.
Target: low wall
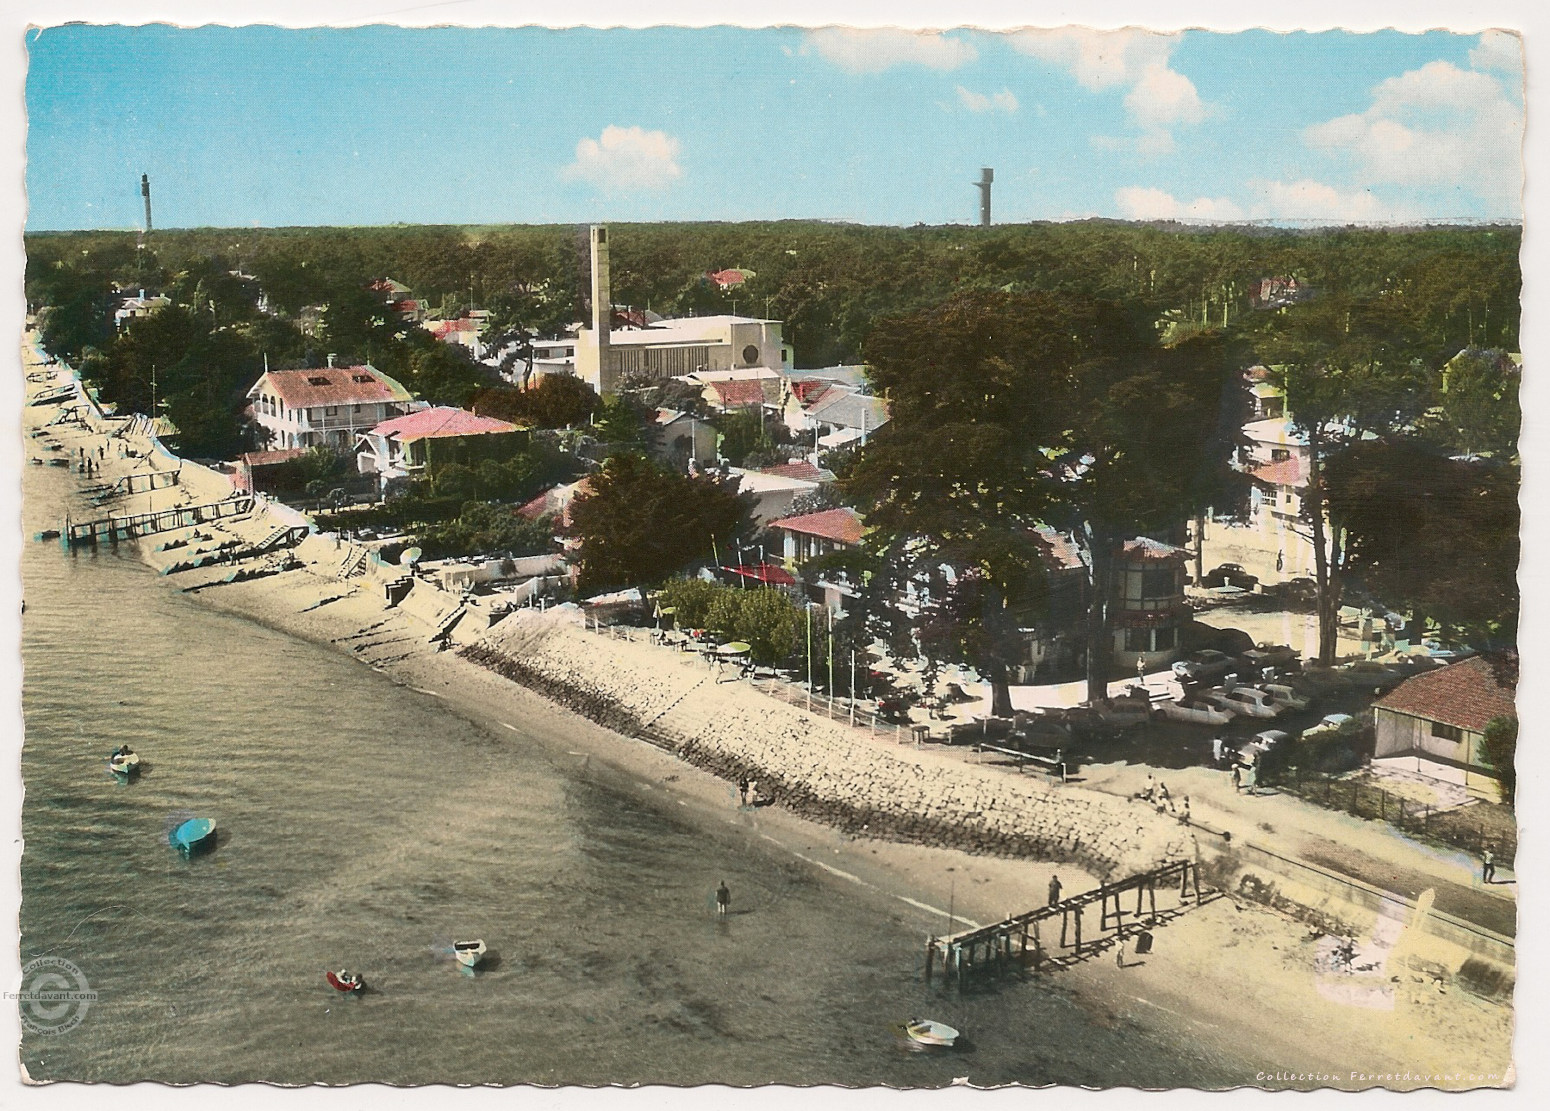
pixel 1342 905
pixel 821 769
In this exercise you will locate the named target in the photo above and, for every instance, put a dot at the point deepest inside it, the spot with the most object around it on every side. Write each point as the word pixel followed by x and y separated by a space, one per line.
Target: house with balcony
pixel 402 447
pixel 327 407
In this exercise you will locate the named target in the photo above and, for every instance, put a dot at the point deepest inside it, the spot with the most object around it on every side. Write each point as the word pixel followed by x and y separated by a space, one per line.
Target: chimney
pixel 145 191
pixel 987 175
pixel 331 357
pixel 602 309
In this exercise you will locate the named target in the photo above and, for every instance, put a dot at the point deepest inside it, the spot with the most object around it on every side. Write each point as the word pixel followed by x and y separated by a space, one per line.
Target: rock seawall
pixel 819 769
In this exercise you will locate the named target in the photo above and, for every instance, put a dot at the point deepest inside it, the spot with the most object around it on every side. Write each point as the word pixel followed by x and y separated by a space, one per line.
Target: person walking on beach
pixel 1487 865
pixel 742 791
pixel 1054 890
pixel 1216 750
pixel 723 899
pixel 1119 952
pixel 1164 799
pixel 1184 811
pixel 1237 777
pixel 1151 789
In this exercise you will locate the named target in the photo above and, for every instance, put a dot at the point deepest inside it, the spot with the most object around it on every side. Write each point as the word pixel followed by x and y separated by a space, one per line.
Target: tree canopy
pixel 639 524
pixel 1011 410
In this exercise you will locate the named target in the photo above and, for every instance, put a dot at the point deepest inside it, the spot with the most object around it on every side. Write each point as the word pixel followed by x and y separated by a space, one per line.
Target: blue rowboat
pixel 193 835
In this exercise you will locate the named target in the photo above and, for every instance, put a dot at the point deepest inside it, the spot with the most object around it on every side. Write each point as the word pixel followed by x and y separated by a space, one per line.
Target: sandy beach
pixel 1228 974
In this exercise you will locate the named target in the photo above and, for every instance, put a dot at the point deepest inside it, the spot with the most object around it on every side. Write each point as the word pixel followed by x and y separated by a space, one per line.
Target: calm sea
pixel 363 825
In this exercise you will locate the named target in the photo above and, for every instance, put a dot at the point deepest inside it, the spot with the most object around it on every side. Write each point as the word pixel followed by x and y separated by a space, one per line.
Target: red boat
pixel 344 981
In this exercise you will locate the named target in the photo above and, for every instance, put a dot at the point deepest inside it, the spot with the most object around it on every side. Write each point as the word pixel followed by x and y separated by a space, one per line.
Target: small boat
pixel 124 761
pixel 468 953
pixel 345 981
pixel 930 1032
pixel 193 835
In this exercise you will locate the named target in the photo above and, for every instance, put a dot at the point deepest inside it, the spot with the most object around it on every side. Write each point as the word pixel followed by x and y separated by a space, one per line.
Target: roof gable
pixel 1465 695
pixel 841 525
pixel 441 421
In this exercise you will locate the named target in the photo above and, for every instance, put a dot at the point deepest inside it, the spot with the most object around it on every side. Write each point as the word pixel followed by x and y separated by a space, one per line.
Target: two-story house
pixel 329 406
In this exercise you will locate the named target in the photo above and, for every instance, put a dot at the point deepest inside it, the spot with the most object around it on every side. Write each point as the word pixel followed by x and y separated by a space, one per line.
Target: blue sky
pixel 269 126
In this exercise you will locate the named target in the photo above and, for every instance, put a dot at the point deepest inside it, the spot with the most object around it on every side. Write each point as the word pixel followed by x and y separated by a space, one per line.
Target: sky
pixel 269 126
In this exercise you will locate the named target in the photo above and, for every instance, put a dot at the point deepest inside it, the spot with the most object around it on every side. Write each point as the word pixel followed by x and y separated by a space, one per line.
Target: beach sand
pixel 1251 981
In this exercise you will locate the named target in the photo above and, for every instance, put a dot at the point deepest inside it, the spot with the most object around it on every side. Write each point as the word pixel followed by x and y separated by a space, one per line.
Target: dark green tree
pixel 1010 410
pixel 640 524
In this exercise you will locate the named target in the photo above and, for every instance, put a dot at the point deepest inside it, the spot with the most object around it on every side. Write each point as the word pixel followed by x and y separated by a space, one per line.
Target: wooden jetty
pixel 1005 945
pixel 112 529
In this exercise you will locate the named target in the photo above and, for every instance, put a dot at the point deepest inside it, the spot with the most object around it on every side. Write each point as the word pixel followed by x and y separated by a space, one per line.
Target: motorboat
pixel 1196 711
pixel 124 761
pixel 930 1032
pixel 193 836
pixel 468 953
pixel 345 981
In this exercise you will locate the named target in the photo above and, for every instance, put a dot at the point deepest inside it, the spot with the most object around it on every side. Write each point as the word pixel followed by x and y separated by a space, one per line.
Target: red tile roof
pixel 740 392
pixel 809 390
pixel 443 420
pixel 1287 472
pixel 334 385
pixel 1465 695
pixel 803 470
pixel 841 525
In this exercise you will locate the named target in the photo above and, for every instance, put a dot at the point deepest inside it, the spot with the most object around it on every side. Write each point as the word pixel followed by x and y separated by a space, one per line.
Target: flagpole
pixel 809 608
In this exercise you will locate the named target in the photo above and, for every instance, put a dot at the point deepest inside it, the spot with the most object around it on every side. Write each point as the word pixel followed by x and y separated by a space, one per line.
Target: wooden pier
pixel 112 529
pixel 1018 940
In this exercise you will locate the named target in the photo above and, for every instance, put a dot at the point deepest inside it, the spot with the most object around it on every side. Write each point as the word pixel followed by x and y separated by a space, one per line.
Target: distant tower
pixel 987 175
pixel 602 310
pixel 145 191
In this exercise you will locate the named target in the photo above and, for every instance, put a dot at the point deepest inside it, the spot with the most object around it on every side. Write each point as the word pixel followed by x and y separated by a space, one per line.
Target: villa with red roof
pixel 1437 719
pixel 329 406
pixel 815 534
pixel 403 446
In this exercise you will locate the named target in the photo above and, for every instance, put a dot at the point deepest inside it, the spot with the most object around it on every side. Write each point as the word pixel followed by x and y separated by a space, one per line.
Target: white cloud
pixel 1004 101
pixel 1143 203
pixel 625 159
pixel 872 50
pixel 1501 51
pixel 1097 59
pixel 1159 97
pixel 1438 126
pixel 1316 201
pixel 1304 200
pixel 1163 97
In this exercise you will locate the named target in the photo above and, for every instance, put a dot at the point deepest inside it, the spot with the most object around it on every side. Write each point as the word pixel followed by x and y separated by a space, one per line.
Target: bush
pixel 766 618
pixel 690 599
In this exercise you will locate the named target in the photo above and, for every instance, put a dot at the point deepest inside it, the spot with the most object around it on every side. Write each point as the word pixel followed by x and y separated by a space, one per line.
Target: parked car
pixel 1243 701
pixel 1264 742
pixel 1257 659
pixel 1286 697
pixel 1380 678
pixel 1204 666
pixel 1301 589
pixel 1230 574
pixel 1332 723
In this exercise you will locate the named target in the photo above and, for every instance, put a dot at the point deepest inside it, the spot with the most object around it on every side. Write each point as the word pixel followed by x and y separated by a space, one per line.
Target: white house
pixel 329 406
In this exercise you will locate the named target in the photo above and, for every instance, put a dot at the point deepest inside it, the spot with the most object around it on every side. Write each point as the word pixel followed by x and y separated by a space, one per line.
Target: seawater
pixel 364 825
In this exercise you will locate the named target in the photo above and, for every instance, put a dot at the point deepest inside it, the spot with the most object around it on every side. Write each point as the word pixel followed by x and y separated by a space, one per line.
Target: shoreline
pixel 1197 997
